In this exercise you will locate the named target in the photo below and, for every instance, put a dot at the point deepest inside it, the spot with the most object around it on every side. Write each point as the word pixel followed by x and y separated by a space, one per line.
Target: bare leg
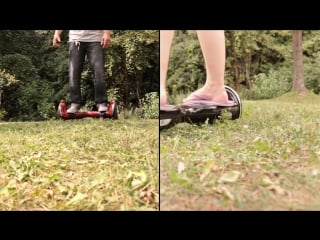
pixel 166 37
pixel 213 48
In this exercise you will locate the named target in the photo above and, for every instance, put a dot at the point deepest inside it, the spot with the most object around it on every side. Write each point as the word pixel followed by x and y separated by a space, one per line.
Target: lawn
pixel 86 164
pixel 269 159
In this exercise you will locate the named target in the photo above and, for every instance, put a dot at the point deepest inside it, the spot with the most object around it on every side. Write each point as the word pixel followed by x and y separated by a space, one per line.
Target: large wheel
pixel 210 115
pixel 62 109
pixel 166 123
pixel 59 111
pixel 233 95
pixel 169 118
pixel 115 111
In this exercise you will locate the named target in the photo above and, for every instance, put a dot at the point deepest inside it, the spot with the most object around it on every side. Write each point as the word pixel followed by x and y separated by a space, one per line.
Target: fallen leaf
pixel 181 167
pixel 77 198
pixel 229 177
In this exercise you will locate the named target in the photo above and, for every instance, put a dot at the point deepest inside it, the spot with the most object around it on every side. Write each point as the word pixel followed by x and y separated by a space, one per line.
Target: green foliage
pixel 132 64
pixel 312 74
pixel 151 105
pixel 250 53
pixel 255 59
pixel 113 94
pixel 256 63
pixel 138 48
pixel 2 114
pixel 47 110
pixel 270 85
pixel 132 67
pixel 32 96
pixel 6 79
pixel 19 65
pixel 186 69
pixel 35 102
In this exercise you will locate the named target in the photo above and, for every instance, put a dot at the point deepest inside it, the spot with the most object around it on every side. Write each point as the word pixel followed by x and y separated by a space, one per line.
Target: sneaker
pixel 102 107
pixel 74 108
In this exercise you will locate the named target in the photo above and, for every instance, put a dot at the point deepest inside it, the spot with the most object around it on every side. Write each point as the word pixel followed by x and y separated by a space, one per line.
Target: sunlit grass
pixel 85 164
pixel 267 160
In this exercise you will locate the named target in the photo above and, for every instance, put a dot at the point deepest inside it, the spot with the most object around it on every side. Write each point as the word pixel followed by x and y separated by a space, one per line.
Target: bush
pixel 47 111
pixel 2 114
pixel 270 85
pixel 150 107
pixel 312 74
pixel 113 94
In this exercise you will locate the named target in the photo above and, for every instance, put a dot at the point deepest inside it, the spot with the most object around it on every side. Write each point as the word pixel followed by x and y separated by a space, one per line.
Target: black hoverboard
pixel 199 114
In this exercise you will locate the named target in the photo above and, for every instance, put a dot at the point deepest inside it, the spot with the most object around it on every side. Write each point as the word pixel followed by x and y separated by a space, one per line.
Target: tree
pixel 132 70
pixel 132 63
pixel 298 79
pixel 6 80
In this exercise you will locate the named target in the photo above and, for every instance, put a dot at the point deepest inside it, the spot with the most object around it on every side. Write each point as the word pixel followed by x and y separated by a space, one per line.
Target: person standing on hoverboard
pixel 213 48
pixel 82 43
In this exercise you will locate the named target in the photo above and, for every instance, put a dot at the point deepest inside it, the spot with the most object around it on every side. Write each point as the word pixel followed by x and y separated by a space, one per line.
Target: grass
pixel 269 159
pixel 85 164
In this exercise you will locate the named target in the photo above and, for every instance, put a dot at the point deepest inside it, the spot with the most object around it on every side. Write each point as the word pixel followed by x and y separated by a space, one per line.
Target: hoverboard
pixel 198 113
pixel 112 112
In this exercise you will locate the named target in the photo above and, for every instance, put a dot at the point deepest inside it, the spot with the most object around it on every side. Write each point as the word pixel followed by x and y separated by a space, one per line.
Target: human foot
pixel 205 96
pixel 164 106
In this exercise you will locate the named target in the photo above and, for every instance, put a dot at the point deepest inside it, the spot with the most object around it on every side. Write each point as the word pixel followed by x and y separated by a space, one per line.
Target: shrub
pixel 270 85
pixel 150 107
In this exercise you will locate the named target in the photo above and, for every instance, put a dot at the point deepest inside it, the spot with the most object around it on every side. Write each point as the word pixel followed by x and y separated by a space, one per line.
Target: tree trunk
pixel 247 70
pixel 1 91
pixel 236 73
pixel 125 86
pixel 298 80
pixel 126 92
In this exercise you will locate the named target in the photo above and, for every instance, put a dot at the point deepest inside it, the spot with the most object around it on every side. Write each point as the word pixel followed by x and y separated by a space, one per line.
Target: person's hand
pixel 56 41
pixel 106 39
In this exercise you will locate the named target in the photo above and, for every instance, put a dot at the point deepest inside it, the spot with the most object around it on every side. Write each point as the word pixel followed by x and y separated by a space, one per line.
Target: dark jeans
pixel 95 54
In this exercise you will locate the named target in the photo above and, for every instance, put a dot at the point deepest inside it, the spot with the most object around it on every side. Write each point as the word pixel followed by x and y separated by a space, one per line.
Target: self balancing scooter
pixel 197 113
pixel 112 112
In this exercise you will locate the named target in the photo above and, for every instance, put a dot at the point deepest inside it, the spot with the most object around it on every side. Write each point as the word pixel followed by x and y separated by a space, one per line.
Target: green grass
pixel 269 159
pixel 85 164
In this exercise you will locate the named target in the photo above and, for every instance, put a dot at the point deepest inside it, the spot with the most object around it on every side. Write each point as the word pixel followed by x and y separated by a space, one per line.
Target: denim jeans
pixel 95 54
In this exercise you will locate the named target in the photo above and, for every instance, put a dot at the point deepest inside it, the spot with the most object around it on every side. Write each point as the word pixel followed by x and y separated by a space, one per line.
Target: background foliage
pixel 258 66
pixel 34 75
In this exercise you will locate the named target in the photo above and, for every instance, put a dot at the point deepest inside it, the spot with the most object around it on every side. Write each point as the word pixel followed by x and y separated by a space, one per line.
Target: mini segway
pixel 199 113
pixel 112 112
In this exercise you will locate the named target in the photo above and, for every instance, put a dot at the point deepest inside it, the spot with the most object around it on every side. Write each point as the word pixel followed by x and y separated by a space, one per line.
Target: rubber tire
pixel 233 95
pixel 115 114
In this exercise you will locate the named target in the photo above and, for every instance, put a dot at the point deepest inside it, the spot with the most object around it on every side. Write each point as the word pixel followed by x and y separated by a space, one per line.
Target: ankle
pixel 163 97
pixel 214 86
